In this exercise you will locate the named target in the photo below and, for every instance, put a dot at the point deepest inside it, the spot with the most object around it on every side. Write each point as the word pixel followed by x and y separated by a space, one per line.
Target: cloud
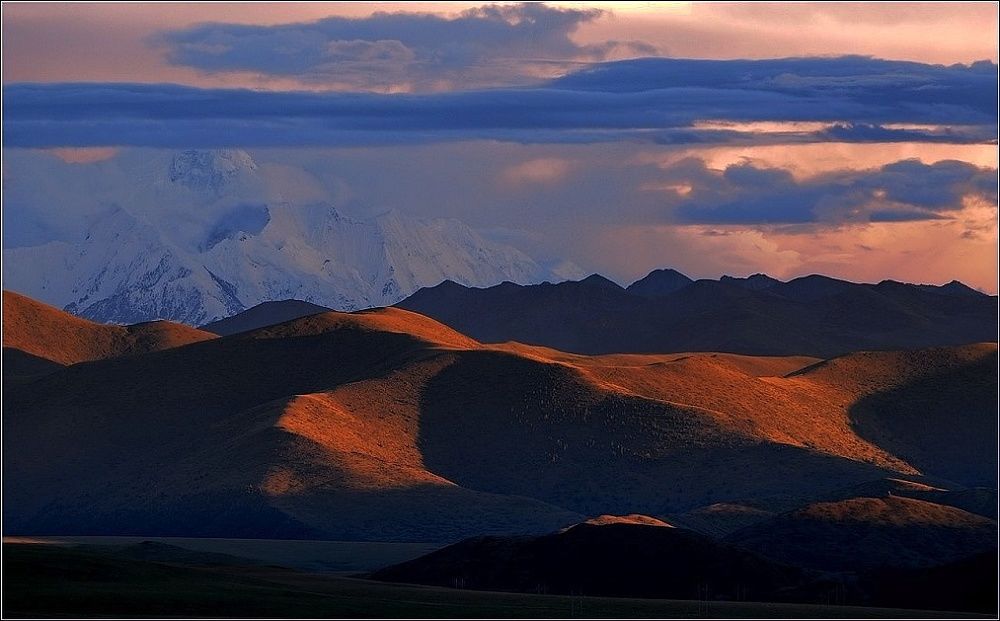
pixel 861 132
pixel 651 100
pixel 540 170
pixel 489 45
pixel 960 94
pixel 902 191
pixel 85 155
pixel 920 252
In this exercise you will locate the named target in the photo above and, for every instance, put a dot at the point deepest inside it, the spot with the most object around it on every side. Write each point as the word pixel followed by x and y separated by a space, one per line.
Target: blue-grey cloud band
pixel 658 100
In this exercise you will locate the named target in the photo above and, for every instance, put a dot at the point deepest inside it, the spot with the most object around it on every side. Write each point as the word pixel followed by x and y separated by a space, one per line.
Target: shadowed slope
pixel 935 408
pixel 721 518
pixel 943 421
pixel 262 315
pixel 870 532
pixel 622 560
pixel 21 366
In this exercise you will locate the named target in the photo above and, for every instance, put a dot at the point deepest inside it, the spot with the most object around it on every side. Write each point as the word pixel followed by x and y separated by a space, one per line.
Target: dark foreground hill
pixel 620 560
pixel 630 560
pixel 666 312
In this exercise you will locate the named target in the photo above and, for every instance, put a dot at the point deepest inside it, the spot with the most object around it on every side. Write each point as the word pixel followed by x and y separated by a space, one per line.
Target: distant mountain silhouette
pixel 813 315
pixel 659 283
pixel 952 288
pixel 262 315
pixel 756 282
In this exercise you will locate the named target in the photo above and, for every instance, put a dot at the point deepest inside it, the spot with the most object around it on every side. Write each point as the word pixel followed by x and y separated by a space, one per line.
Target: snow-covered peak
pixel 209 170
pixel 198 235
pixel 126 270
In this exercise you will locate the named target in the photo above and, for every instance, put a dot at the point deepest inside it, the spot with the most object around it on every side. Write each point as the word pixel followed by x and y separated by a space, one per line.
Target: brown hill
pixel 386 424
pixel 37 332
pixel 634 518
pixel 979 500
pixel 870 532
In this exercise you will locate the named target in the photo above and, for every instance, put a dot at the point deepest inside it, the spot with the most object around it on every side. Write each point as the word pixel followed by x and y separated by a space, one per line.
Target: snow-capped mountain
pixel 228 253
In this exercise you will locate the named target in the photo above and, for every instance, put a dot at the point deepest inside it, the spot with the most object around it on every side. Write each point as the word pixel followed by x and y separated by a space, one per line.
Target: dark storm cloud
pixel 902 191
pixel 656 100
pixel 485 45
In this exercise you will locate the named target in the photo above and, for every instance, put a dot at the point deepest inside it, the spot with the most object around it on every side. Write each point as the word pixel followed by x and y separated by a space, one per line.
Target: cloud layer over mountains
pixel 656 100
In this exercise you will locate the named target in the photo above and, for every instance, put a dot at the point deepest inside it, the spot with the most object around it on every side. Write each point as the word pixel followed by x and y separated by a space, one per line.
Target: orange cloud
pixel 537 171
pixel 808 160
pixel 84 155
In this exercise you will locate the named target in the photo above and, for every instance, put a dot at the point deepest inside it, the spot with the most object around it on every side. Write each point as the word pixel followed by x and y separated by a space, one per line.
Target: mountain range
pixel 759 315
pixel 196 236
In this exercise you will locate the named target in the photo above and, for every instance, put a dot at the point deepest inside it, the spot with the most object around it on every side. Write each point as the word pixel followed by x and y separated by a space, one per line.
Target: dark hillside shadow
pixel 945 425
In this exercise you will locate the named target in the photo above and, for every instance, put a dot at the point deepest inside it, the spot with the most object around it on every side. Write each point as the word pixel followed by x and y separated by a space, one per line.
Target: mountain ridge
pixel 810 315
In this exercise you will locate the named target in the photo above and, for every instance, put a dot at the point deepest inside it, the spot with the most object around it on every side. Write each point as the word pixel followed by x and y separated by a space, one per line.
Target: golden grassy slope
pixel 49 333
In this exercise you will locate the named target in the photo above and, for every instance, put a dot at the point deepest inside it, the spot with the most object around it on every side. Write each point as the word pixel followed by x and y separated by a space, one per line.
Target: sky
pixel 855 140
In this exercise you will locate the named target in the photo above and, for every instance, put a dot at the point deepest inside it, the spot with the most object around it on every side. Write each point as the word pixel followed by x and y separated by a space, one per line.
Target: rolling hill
pixel 386 424
pixel 867 533
pixel 39 338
